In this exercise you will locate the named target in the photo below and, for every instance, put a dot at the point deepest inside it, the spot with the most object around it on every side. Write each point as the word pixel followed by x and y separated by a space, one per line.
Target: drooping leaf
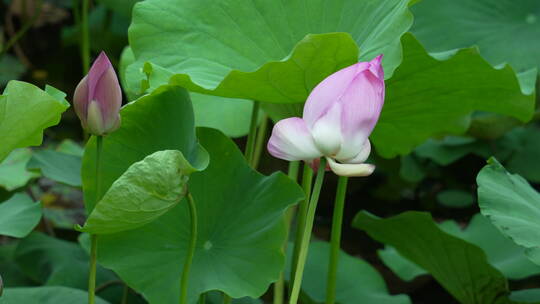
pixel 455 198
pixel 46 295
pixel 512 205
pixel 11 68
pixel 162 120
pixel 460 267
pixel 122 7
pixel 55 262
pixel 230 115
pixel 61 167
pixel 526 295
pixel 402 267
pixel 450 149
pixel 491 126
pixel 214 297
pixel 68 146
pixel 244 49
pixel 19 215
pixel 420 105
pixel 147 190
pixel 524 159
pixel 501 252
pixel 412 169
pixel 107 30
pixel 240 230
pixel 13 172
pixel 357 281
pixel 505 31
pixel 25 111
pixel 11 273
pixel 516 145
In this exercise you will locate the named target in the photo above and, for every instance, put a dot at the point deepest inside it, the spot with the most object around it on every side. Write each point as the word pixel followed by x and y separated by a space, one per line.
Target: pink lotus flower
pixel 98 98
pixel 339 115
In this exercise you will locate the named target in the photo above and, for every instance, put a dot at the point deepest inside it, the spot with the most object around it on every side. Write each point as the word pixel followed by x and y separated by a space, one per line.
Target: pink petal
pixel 375 66
pixel 329 91
pixel 99 67
pixel 351 169
pixel 109 96
pixel 80 100
pixel 362 104
pixel 292 140
pixel 95 119
pixel 327 131
pixel 359 158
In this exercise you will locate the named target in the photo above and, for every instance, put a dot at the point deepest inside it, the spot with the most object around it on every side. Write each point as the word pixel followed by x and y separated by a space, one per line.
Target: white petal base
pixel 350 170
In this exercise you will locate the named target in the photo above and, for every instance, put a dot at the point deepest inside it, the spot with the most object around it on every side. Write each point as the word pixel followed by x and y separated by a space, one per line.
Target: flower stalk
pixel 306 234
pixel 335 240
pixel 307 180
pixel 252 136
pixel 279 286
pixel 85 37
pixel 93 237
pixel 97 101
pixel 191 250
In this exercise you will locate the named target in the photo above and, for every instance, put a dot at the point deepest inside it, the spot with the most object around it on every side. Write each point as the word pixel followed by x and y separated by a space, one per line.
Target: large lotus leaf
pixel 19 215
pixel 290 80
pixel 46 295
pixel 501 252
pixel 229 115
pixel 512 205
pixel 460 267
pixel 148 189
pixel 428 97
pixel 159 121
pixel 13 172
pixel 61 167
pixel 357 281
pixel 244 48
pixel 241 231
pixel 505 31
pixel 51 261
pixel 25 111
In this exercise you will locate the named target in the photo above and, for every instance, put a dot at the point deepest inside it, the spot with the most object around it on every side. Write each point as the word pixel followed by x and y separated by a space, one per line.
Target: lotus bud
pixel 98 98
pixel 339 115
